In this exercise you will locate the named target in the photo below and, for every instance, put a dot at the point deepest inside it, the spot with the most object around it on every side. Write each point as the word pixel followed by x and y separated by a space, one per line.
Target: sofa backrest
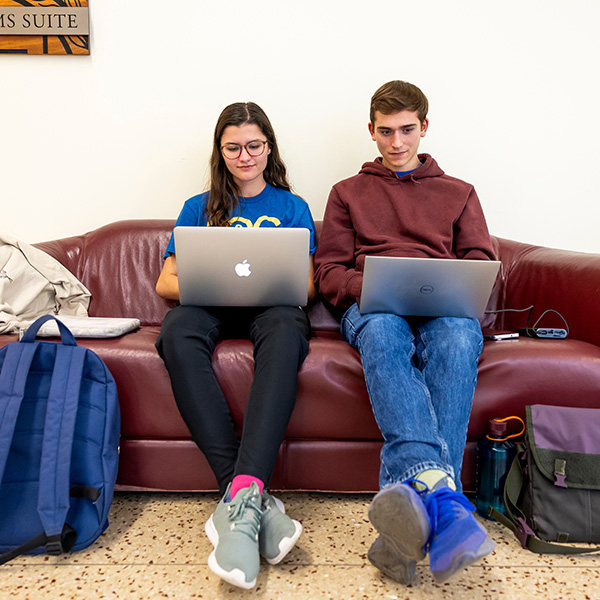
pixel 119 263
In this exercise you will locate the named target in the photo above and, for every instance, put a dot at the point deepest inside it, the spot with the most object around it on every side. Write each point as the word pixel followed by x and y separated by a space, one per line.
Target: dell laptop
pixel 427 287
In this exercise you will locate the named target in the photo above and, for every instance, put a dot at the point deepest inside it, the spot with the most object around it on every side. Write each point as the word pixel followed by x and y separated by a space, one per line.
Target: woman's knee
pixel 283 321
pixel 284 329
pixel 186 326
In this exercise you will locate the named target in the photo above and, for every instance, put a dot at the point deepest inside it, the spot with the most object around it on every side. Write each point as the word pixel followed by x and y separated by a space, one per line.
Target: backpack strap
pixel 34 543
pixel 515 519
pixel 65 334
pixel 13 379
pixel 57 444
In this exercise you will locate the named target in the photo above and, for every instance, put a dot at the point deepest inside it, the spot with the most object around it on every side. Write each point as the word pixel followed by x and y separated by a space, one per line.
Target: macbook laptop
pixel 427 287
pixel 242 266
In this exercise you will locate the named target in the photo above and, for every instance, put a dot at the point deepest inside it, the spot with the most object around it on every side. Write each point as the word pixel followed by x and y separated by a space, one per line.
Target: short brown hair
pixel 396 96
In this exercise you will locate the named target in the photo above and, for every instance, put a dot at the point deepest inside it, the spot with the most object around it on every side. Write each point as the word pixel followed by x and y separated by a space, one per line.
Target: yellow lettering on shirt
pixel 243 222
pixel 240 222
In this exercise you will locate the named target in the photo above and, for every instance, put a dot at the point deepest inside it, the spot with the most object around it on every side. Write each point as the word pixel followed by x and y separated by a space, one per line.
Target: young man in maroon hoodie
pixel 420 372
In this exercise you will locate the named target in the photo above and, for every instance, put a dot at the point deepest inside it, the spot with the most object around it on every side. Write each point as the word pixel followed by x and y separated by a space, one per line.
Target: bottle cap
pixel 497 428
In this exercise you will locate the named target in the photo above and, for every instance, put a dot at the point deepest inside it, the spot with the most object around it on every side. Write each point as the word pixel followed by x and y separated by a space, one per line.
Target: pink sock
pixel 243 481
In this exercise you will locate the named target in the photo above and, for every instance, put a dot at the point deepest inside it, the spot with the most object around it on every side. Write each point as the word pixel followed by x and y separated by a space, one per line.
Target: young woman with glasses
pixel 248 188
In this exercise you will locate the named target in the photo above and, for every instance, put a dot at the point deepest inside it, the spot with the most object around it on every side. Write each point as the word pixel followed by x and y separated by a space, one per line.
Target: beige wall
pixel 126 132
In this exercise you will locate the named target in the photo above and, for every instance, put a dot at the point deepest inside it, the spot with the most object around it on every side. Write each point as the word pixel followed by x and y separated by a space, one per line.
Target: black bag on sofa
pixel 552 492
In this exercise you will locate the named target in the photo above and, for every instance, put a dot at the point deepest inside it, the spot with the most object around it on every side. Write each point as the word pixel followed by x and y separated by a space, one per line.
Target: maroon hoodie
pixel 423 214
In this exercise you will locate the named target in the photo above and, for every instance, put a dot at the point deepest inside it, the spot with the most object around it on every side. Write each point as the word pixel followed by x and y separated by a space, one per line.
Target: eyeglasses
pixel 253 148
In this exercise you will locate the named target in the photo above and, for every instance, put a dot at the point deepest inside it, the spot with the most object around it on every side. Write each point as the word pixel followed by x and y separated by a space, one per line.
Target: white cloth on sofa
pixel 32 284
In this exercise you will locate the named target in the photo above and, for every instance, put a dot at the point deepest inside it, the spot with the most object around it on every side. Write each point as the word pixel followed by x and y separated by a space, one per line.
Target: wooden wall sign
pixel 44 27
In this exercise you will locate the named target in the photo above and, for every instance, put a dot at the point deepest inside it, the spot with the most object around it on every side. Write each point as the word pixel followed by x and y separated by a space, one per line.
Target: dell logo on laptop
pixel 426 289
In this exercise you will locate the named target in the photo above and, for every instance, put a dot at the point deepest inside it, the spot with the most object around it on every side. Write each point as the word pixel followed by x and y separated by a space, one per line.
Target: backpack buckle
pixel 54 545
pixel 524 532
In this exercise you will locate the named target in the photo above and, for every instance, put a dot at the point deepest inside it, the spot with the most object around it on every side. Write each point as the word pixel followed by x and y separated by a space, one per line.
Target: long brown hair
pixel 223 196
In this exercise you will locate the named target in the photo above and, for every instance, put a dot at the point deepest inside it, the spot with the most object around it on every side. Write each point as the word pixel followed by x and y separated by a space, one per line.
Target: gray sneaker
pixel 400 517
pixel 278 533
pixel 233 531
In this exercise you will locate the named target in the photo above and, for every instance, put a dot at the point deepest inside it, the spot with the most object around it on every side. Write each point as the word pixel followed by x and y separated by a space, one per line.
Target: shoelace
pixel 449 499
pixel 244 515
pixel 441 506
pixel 265 502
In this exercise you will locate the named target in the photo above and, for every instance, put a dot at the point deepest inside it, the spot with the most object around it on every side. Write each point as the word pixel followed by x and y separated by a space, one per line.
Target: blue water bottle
pixel 495 454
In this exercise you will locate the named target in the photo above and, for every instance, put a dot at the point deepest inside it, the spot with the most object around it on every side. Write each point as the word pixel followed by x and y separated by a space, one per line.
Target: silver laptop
pixel 427 287
pixel 242 266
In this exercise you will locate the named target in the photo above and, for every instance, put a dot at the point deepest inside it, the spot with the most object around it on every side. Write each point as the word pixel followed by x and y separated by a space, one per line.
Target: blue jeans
pixel 421 375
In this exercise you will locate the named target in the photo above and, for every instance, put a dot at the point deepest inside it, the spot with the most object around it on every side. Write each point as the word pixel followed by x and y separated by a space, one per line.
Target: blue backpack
pixel 59 445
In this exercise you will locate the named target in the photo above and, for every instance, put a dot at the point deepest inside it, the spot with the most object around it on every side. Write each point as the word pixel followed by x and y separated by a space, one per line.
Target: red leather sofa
pixel 332 442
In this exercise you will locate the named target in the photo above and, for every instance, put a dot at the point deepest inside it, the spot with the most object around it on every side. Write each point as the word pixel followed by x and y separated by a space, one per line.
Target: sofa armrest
pixel 562 280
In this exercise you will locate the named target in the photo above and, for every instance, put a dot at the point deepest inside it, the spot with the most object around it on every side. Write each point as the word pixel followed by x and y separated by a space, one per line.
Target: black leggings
pixel 186 343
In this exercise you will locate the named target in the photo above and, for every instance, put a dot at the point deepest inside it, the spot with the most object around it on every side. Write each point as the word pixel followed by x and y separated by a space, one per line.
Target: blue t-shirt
pixel 273 207
pixel 403 173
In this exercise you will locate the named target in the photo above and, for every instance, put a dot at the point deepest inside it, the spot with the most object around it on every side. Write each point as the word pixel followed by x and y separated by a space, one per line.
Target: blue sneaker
pixel 457 539
pixel 400 517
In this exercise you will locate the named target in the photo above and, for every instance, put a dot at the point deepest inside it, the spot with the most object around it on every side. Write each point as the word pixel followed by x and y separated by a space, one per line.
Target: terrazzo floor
pixel 155 547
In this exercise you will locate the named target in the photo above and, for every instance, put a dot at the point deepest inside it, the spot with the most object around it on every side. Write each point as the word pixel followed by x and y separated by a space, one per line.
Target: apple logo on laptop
pixel 243 269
